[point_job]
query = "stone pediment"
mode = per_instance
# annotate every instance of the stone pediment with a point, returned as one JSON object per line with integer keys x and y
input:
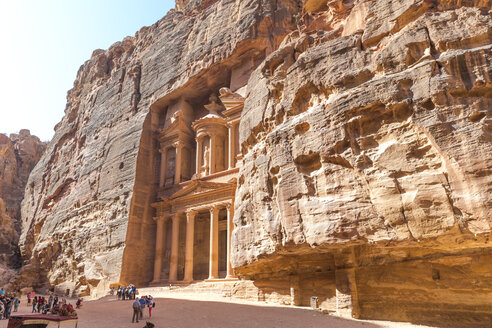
{"x": 197, "y": 188}
{"x": 177, "y": 127}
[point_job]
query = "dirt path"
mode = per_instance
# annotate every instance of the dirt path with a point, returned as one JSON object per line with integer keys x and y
{"x": 172, "y": 312}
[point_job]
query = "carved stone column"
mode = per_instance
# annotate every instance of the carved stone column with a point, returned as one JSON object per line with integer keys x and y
{"x": 179, "y": 151}
{"x": 232, "y": 145}
{"x": 199, "y": 154}
{"x": 160, "y": 241}
{"x": 213, "y": 154}
{"x": 230, "y": 227}
{"x": 214, "y": 243}
{"x": 173, "y": 268}
{"x": 190, "y": 236}
{"x": 162, "y": 177}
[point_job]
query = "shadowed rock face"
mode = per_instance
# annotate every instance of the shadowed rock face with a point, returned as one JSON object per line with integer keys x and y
{"x": 367, "y": 143}
{"x": 86, "y": 208}
{"x": 19, "y": 153}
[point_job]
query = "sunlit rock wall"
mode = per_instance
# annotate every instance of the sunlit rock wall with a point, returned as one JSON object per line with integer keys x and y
{"x": 367, "y": 144}
{"x": 87, "y": 219}
{"x": 19, "y": 154}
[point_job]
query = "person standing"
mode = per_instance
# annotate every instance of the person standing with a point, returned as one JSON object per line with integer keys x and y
{"x": 34, "y": 304}
{"x": 28, "y": 298}
{"x": 136, "y": 310}
{"x": 8, "y": 307}
{"x": 143, "y": 304}
{"x": 16, "y": 304}
{"x": 151, "y": 305}
{"x": 50, "y": 300}
{"x": 2, "y": 309}
{"x": 40, "y": 303}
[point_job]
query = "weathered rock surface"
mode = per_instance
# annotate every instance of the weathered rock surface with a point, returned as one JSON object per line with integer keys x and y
{"x": 87, "y": 203}
{"x": 19, "y": 154}
{"x": 367, "y": 144}
{"x": 367, "y": 154}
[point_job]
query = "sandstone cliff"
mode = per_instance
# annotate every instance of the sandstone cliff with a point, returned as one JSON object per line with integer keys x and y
{"x": 19, "y": 153}
{"x": 86, "y": 207}
{"x": 367, "y": 143}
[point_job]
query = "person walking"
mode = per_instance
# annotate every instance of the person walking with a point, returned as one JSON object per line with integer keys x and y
{"x": 136, "y": 310}
{"x": 28, "y": 298}
{"x": 123, "y": 293}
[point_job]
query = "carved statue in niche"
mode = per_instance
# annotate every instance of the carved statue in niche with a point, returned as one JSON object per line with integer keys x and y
{"x": 170, "y": 167}
{"x": 206, "y": 160}
{"x": 214, "y": 106}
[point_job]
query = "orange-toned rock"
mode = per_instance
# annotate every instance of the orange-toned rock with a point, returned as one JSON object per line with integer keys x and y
{"x": 87, "y": 214}
{"x": 18, "y": 155}
{"x": 367, "y": 158}
{"x": 365, "y": 165}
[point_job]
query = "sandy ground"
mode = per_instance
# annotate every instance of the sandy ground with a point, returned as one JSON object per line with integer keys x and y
{"x": 181, "y": 311}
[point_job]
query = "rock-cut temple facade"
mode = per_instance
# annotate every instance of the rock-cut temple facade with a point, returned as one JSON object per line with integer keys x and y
{"x": 197, "y": 176}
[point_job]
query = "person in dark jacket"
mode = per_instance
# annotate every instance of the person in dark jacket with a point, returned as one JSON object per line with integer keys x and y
{"x": 136, "y": 310}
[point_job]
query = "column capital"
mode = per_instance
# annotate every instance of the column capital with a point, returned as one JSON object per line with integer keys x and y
{"x": 229, "y": 206}
{"x": 191, "y": 213}
{"x": 160, "y": 218}
{"x": 176, "y": 216}
{"x": 214, "y": 208}
{"x": 178, "y": 144}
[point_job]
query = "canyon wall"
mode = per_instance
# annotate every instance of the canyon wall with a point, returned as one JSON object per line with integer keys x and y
{"x": 366, "y": 177}
{"x": 87, "y": 219}
{"x": 19, "y": 153}
{"x": 366, "y": 141}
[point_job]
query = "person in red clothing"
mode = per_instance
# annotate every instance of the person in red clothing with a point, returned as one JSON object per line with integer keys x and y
{"x": 150, "y": 304}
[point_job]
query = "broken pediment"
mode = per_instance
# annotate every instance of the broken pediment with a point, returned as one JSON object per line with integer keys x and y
{"x": 177, "y": 128}
{"x": 198, "y": 187}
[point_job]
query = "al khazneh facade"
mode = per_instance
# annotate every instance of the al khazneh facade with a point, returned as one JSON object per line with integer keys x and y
{"x": 197, "y": 181}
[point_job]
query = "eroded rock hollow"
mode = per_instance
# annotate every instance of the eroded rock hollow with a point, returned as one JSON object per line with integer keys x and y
{"x": 332, "y": 149}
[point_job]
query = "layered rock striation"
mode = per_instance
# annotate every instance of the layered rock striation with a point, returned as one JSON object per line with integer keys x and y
{"x": 87, "y": 215}
{"x": 366, "y": 154}
{"x": 366, "y": 178}
{"x": 19, "y": 153}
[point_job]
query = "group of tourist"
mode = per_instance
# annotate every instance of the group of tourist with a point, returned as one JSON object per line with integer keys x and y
{"x": 139, "y": 306}
{"x": 51, "y": 305}
{"x": 8, "y": 304}
{"x": 130, "y": 293}
{"x": 126, "y": 292}
{"x": 42, "y": 305}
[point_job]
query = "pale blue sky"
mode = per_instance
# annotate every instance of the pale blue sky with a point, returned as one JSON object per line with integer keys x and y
{"x": 43, "y": 44}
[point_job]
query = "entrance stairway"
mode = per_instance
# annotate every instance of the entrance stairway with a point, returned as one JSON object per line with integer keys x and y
{"x": 222, "y": 288}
